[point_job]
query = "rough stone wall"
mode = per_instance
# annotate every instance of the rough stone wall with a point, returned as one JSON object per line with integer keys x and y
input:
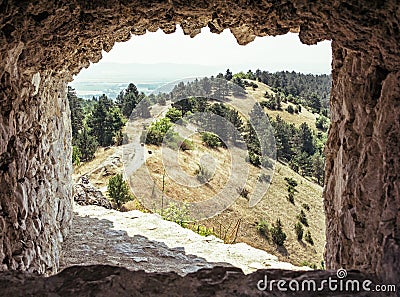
{"x": 363, "y": 167}
{"x": 57, "y": 39}
{"x": 35, "y": 171}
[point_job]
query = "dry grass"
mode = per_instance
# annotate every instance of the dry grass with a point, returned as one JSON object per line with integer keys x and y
{"x": 272, "y": 206}
{"x": 91, "y": 168}
{"x": 189, "y": 163}
{"x": 305, "y": 116}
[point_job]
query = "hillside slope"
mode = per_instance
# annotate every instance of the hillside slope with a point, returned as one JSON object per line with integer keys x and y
{"x": 238, "y": 221}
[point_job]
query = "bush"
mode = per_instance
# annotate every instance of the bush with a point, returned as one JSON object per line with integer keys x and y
{"x": 157, "y": 131}
{"x": 254, "y": 159}
{"x": 118, "y": 190}
{"x": 203, "y": 174}
{"x": 266, "y": 162}
{"x": 291, "y": 197}
{"x": 290, "y": 109}
{"x": 291, "y": 182}
{"x": 298, "y": 228}
{"x": 263, "y": 228}
{"x": 186, "y": 145}
{"x": 211, "y": 140}
{"x": 264, "y": 178}
{"x": 277, "y": 234}
{"x": 76, "y": 156}
{"x": 302, "y": 218}
{"x": 202, "y": 230}
{"x": 174, "y": 114}
{"x": 299, "y": 108}
{"x": 306, "y": 206}
{"x": 179, "y": 214}
{"x": 308, "y": 238}
{"x": 244, "y": 192}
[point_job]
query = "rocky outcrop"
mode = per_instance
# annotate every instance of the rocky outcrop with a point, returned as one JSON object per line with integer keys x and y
{"x": 363, "y": 166}
{"x": 43, "y": 43}
{"x": 87, "y": 194}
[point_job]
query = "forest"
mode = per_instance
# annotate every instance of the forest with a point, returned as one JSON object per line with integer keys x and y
{"x": 100, "y": 121}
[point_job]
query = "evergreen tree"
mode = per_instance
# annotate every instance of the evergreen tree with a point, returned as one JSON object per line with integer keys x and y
{"x": 314, "y": 102}
{"x": 86, "y": 144}
{"x": 228, "y": 74}
{"x": 77, "y": 114}
{"x": 277, "y": 234}
{"x": 318, "y": 164}
{"x": 128, "y": 99}
{"x": 306, "y": 139}
{"x": 118, "y": 190}
{"x": 143, "y": 109}
{"x": 105, "y": 121}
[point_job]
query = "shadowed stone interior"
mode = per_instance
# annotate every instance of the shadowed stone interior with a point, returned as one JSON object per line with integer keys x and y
{"x": 43, "y": 43}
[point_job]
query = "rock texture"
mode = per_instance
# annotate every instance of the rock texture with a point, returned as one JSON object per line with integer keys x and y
{"x": 98, "y": 280}
{"x": 362, "y": 193}
{"x": 35, "y": 169}
{"x": 43, "y": 43}
{"x": 143, "y": 241}
{"x": 87, "y": 194}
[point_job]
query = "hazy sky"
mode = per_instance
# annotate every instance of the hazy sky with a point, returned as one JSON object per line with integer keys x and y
{"x": 267, "y": 53}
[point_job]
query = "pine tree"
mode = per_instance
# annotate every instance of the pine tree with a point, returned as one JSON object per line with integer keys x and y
{"x": 105, "y": 121}
{"x": 77, "y": 114}
{"x": 318, "y": 164}
{"x": 277, "y": 234}
{"x": 86, "y": 144}
{"x": 118, "y": 190}
{"x": 228, "y": 74}
{"x": 306, "y": 139}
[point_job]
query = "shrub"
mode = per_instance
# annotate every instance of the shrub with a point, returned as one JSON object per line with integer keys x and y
{"x": 186, "y": 145}
{"x": 290, "y": 109}
{"x": 174, "y": 114}
{"x": 306, "y": 206}
{"x": 277, "y": 234}
{"x": 244, "y": 192}
{"x": 203, "y": 174}
{"x": 118, "y": 190}
{"x": 298, "y": 228}
{"x": 157, "y": 131}
{"x": 211, "y": 140}
{"x": 178, "y": 213}
{"x": 291, "y": 182}
{"x": 76, "y": 156}
{"x": 202, "y": 230}
{"x": 266, "y": 162}
{"x": 308, "y": 238}
{"x": 291, "y": 197}
{"x": 264, "y": 178}
{"x": 254, "y": 159}
{"x": 302, "y": 218}
{"x": 263, "y": 228}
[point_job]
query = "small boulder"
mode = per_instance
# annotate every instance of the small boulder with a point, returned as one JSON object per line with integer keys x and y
{"x": 86, "y": 194}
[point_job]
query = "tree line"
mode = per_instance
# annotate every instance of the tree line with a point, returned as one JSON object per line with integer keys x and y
{"x": 100, "y": 121}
